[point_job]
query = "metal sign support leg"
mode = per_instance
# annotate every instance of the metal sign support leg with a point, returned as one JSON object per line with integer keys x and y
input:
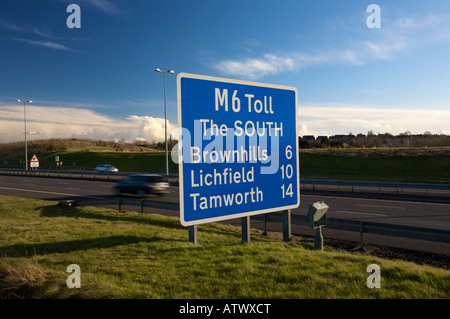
{"x": 286, "y": 217}
{"x": 264, "y": 233}
{"x": 193, "y": 238}
{"x": 245, "y": 229}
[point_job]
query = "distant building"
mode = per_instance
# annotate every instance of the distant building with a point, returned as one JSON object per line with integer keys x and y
{"x": 337, "y": 138}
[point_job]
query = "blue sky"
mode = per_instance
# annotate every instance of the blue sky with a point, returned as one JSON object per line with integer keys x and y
{"x": 98, "y": 81}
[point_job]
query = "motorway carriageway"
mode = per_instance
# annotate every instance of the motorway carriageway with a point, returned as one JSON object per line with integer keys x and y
{"x": 419, "y": 214}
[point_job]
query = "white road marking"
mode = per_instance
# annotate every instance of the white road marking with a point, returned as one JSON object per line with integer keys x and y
{"x": 359, "y": 213}
{"x": 381, "y": 206}
{"x": 53, "y": 193}
{"x": 379, "y": 200}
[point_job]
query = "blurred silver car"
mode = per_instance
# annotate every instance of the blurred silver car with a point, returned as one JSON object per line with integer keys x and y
{"x": 106, "y": 168}
{"x": 142, "y": 185}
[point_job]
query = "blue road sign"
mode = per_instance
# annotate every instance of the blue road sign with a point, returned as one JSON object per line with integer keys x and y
{"x": 238, "y": 155}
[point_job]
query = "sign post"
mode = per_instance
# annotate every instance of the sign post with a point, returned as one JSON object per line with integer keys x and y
{"x": 238, "y": 151}
{"x": 34, "y": 162}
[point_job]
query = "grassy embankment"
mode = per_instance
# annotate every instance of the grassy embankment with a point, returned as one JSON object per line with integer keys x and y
{"x": 131, "y": 255}
{"x": 397, "y": 164}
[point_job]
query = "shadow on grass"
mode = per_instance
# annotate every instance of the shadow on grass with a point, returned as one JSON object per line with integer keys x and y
{"x": 71, "y": 212}
{"x": 112, "y": 216}
{"x": 22, "y": 250}
{"x": 59, "y": 211}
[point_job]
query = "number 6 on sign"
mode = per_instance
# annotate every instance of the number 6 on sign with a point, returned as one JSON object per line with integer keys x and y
{"x": 289, "y": 152}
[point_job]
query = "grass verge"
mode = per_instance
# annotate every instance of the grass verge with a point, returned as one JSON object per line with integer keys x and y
{"x": 390, "y": 164}
{"x": 132, "y": 255}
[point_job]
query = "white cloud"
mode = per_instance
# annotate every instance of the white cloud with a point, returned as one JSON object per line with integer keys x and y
{"x": 342, "y": 119}
{"x": 33, "y": 31}
{"x": 47, "y": 44}
{"x": 256, "y": 68}
{"x": 400, "y": 35}
{"x": 45, "y": 122}
{"x": 104, "y": 5}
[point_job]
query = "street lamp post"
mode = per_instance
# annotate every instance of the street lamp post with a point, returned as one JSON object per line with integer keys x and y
{"x": 165, "y": 116}
{"x": 25, "y": 125}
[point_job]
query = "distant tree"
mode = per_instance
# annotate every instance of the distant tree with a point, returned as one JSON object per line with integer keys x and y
{"x": 302, "y": 143}
{"x": 325, "y": 141}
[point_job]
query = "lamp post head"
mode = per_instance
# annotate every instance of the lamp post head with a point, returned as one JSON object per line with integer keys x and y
{"x": 168, "y": 71}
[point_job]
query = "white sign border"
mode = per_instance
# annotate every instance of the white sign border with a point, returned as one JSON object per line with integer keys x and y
{"x": 180, "y": 147}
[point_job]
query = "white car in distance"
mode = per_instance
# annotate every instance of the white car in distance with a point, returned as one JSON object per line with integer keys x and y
{"x": 106, "y": 168}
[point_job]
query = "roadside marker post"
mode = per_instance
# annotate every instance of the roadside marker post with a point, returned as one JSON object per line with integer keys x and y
{"x": 317, "y": 218}
{"x": 237, "y": 150}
